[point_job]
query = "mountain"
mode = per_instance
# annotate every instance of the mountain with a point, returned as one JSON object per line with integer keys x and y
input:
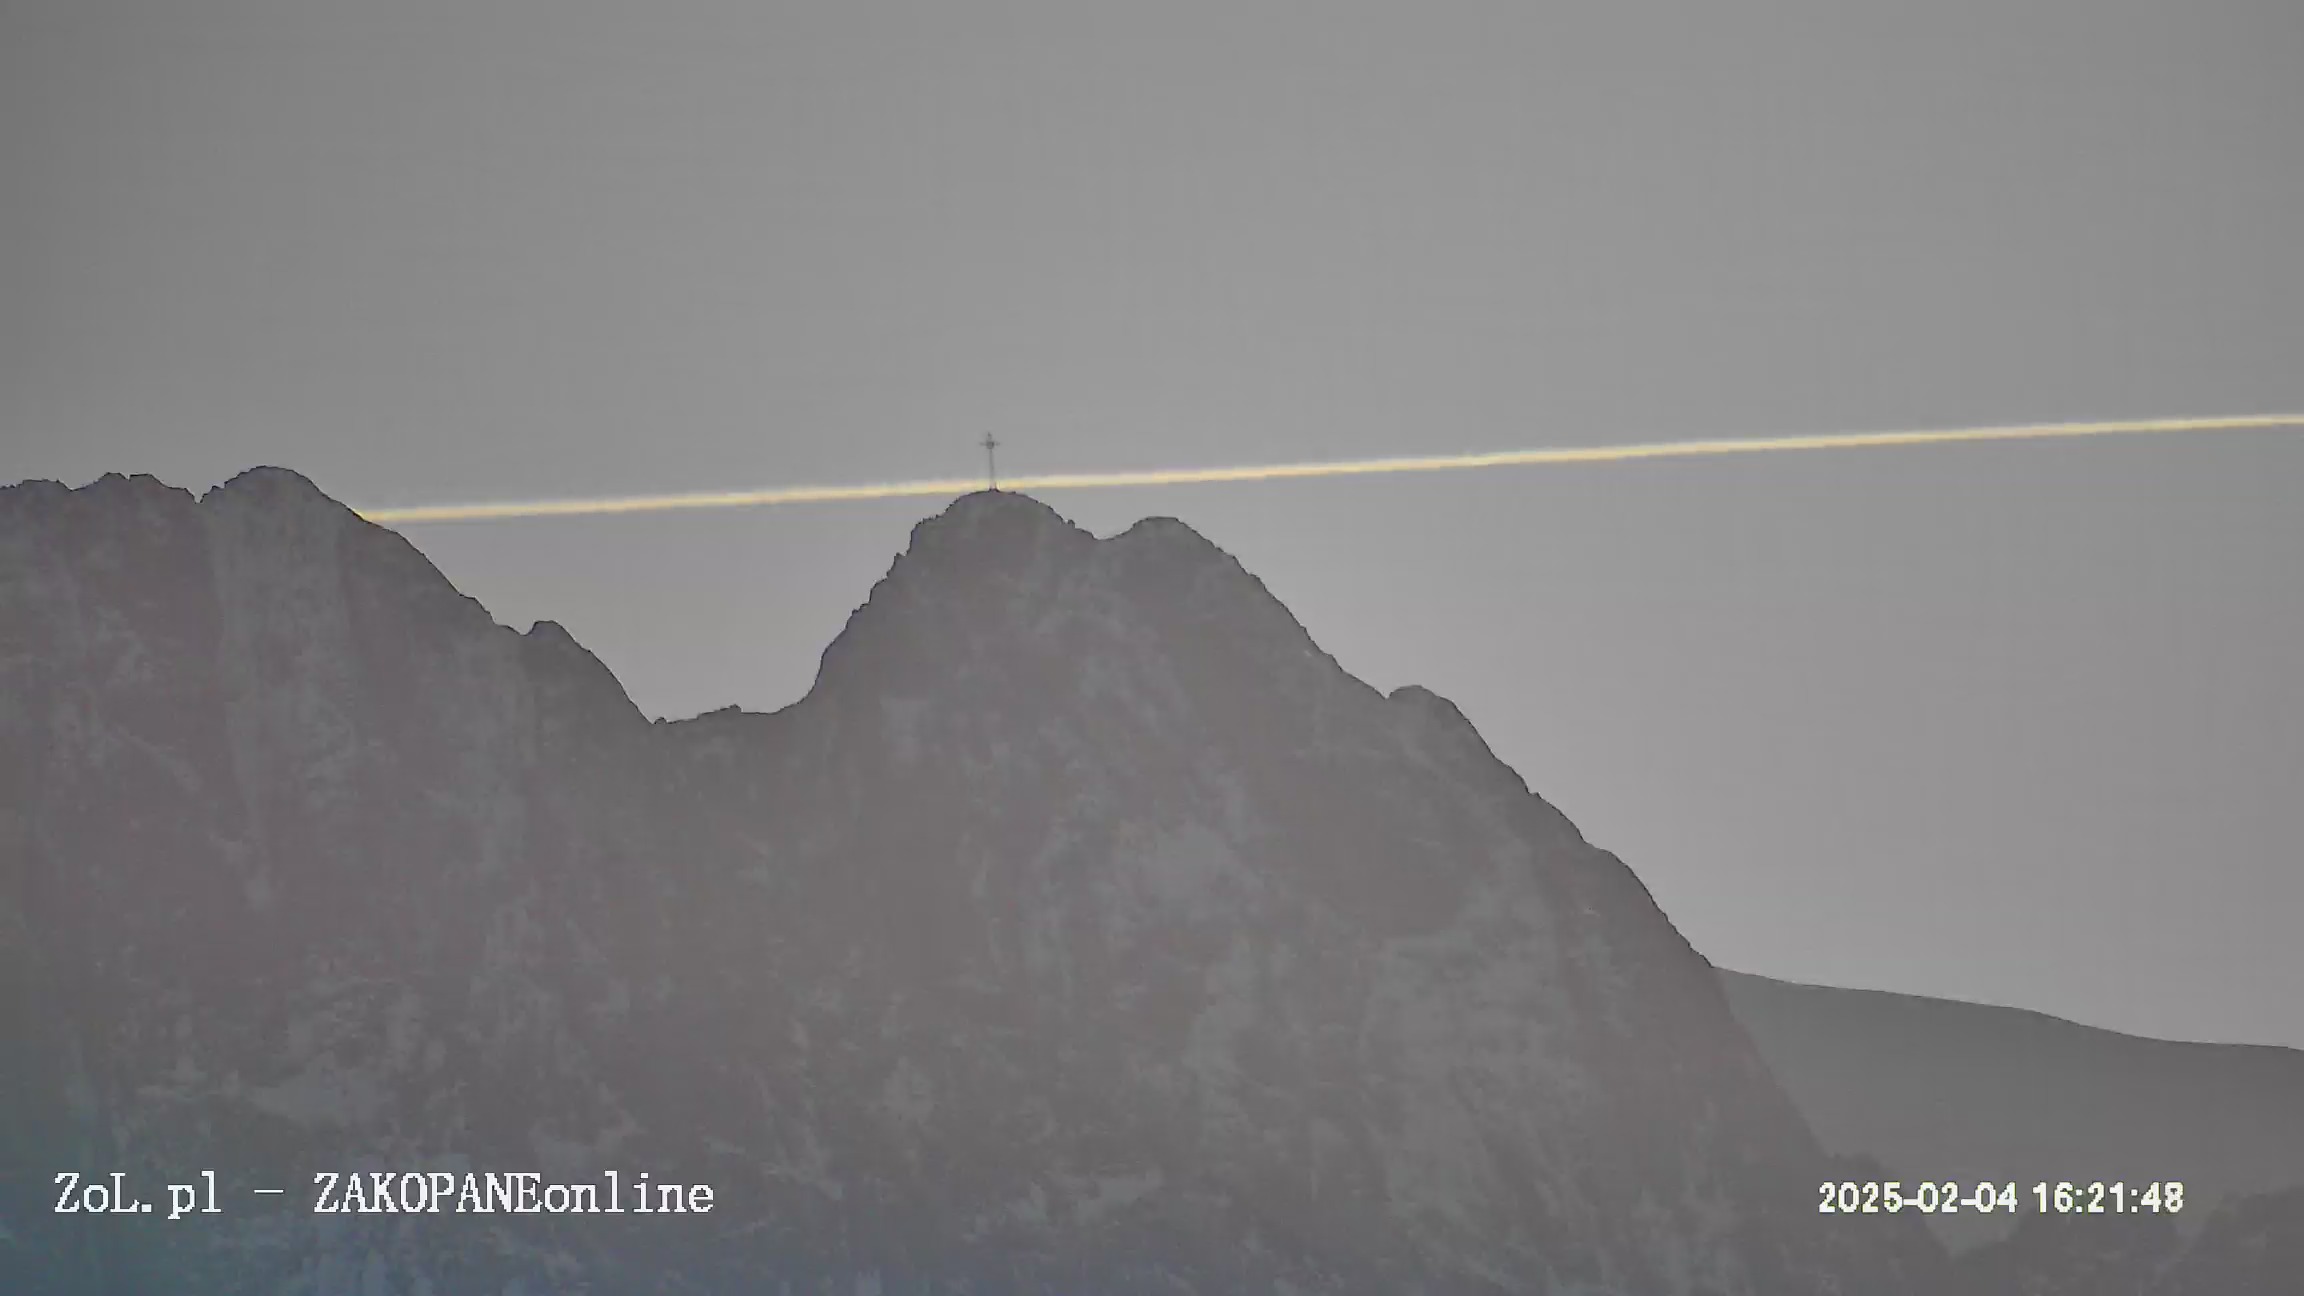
{"x": 2249, "y": 1244}
{"x": 1085, "y": 929}
{"x": 1940, "y": 1090}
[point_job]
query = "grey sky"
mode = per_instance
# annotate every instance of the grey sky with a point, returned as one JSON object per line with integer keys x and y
{"x": 2014, "y": 723}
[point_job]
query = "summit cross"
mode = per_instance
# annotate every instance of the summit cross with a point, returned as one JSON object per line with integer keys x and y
{"x": 991, "y": 465}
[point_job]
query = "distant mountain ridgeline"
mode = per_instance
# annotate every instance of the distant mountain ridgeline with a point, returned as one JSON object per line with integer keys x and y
{"x": 1942, "y": 1090}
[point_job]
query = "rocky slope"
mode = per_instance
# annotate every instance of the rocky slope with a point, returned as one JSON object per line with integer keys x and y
{"x": 2249, "y": 1245}
{"x": 1085, "y": 929}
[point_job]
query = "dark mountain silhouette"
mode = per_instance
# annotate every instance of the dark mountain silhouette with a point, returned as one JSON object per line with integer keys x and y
{"x": 1944, "y": 1090}
{"x": 1085, "y": 929}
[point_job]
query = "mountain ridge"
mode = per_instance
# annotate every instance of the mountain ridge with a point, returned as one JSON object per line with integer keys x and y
{"x": 1084, "y": 927}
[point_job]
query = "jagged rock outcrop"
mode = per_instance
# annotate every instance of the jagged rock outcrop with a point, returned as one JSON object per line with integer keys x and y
{"x": 1085, "y": 928}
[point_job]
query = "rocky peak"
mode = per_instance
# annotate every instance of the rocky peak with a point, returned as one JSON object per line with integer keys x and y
{"x": 1001, "y": 591}
{"x": 1087, "y": 928}
{"x": 276, "y": 487}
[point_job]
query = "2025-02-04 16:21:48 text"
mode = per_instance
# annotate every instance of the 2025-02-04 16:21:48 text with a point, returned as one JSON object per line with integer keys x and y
{"x": 1952, "y": 1197}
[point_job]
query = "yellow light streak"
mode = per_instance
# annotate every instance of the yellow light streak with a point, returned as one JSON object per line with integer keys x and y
{"x": 480, "y": 512}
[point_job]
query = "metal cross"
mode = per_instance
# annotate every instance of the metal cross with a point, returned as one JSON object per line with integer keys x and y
{"x": 991, "y": 466}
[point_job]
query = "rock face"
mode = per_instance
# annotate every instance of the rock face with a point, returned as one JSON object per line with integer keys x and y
{"x": 1085, "y": 929}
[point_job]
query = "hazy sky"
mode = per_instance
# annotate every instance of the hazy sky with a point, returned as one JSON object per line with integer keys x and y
{"x": 2022, "y": 724}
